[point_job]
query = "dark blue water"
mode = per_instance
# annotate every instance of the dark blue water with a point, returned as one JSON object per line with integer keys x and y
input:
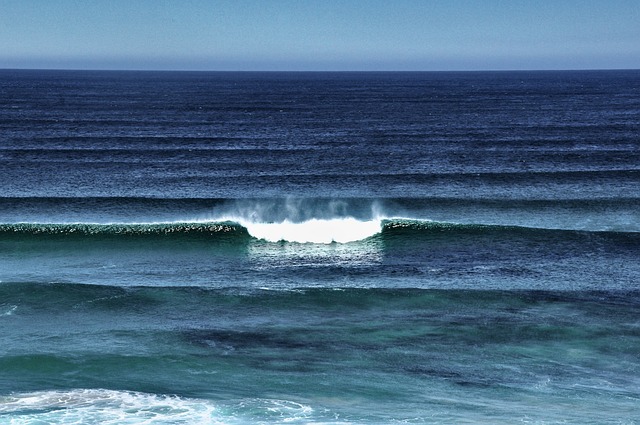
{"x": 319, "y": 247}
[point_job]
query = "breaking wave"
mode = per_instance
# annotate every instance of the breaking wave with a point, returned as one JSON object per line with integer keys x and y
{"x": 317, "y": 231}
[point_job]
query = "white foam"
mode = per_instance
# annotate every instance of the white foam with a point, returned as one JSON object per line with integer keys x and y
{"x": 341, "y": 230}
{"x": 11, "y": 309}
{"x": 97, "y": 406}
{"x": 100, "y": 406}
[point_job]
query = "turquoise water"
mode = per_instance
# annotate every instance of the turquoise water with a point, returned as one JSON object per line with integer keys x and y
{"x": 319, "y": 355}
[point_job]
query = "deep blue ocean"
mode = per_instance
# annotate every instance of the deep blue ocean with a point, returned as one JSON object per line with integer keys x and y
{"x": 319, "y": 248}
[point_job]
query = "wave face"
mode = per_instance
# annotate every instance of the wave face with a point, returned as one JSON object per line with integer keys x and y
{"x": 122, "y": 229}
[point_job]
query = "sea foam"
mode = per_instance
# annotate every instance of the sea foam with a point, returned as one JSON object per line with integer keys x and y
{"x": 101, "y": 406}
{"x": 341, "y": 230}
{"x": 98, "y": 406}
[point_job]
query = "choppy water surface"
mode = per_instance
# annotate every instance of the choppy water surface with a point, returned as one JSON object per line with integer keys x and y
{"x": 234, "y": 248}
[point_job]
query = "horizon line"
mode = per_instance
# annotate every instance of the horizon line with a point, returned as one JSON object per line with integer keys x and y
{"x": 296, "y": 71}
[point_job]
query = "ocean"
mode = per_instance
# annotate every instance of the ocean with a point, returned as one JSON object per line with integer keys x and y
{"x": 319, "y": 248}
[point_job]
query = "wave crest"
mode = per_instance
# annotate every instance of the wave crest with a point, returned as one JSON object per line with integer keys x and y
{"x": 341, "y": 230}
{"x": 313, "y": 231}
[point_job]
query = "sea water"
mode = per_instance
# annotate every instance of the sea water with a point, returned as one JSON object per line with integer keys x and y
{"x": 345, "y": 248}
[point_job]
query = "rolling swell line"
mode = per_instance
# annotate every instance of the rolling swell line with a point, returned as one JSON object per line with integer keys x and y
{"x": 121, "y": 229}
{"x": 243, "y": 230}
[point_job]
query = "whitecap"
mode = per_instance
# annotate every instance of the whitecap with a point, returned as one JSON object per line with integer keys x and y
{"x": 99, "y": 406}
{"x": 341, "y": 230}
{"x": 111, "y": 407}
{"x": 9, "y": 310}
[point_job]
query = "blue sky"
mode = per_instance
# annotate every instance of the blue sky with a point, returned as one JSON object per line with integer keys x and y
{"x": 320, "y": 35}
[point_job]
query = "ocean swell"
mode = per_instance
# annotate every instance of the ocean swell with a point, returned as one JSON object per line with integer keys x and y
{"x": 313, "y": 231}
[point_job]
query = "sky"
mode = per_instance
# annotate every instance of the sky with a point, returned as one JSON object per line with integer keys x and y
{"x": 320, "y": 35}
